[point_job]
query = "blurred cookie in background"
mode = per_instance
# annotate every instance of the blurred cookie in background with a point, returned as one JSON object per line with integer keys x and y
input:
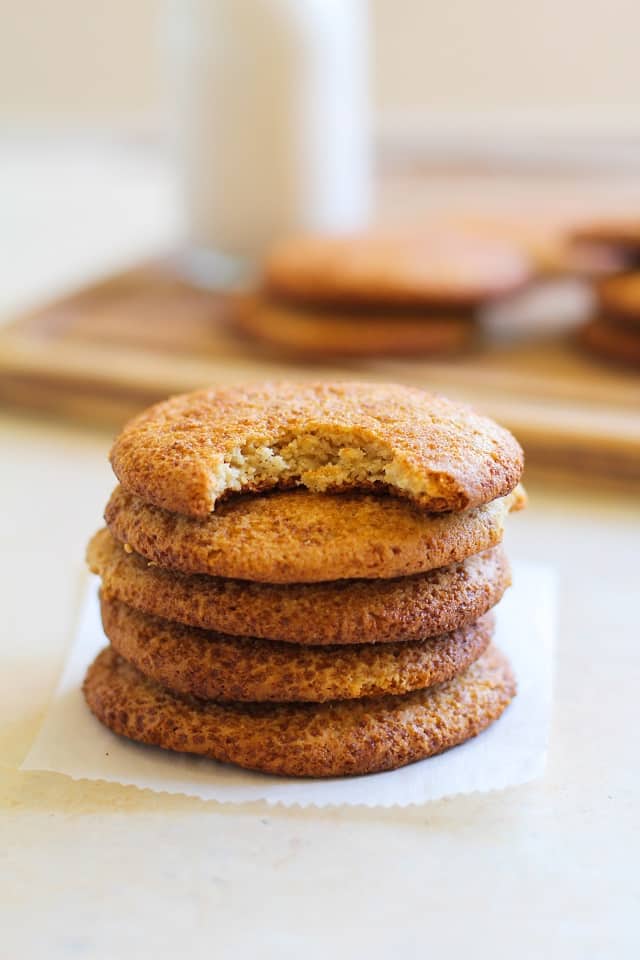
{"x": 614, "y": 238}
{"x": 612, "y": 341}
{"x": 547, "y": 242}
{"x": 401, "y": 292}
{"x": 619, "y": 298}
{"x": 322, "y": 332}
{"x": 614, "y": 330}
{"x": 412, "y": 266}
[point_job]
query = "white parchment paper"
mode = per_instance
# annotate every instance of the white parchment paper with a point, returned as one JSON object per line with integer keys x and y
{"x": 512, "y": 751}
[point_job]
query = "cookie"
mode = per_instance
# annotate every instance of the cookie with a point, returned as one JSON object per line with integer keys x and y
{"x": 317, "y": 333}
{"x": 188, "y": 452}
{"x": 612, "y": 341}
{"x": 342, "y": 612}
{"x": 623, "y": 234}
{"x": 302, "y": 537}
{"x": 401, "y": 267}
{"x": 337, "y": 738}
{"x": 619, "y": 299}
{"x": 214, "y": 666}
{"x": 545, "y": 240}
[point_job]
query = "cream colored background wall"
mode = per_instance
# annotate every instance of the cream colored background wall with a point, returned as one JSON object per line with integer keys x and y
{"x": 568, "y": 63}
{"x": 508, "y": 55}
{"x": 80, "y": 62}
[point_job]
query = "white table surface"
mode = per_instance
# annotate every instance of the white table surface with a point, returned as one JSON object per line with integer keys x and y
{"x": 90, "y": 870}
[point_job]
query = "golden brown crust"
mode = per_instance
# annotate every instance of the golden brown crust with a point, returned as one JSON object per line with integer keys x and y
{"x": 395, "y": 267}
{"x": 321, "y": 333}
{"x": 186, "y": 453}
{"x": 343, "y": 612}
{"x": 612, "y": 341}
{"x": 303, "y": 537}
{"x": 338, "y": 738}
{"x": 213, "y": 666}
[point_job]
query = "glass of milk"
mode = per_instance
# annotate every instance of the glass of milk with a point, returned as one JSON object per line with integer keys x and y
{"x": 271, "y": 105}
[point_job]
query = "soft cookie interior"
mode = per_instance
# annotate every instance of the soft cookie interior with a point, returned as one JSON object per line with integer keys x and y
{"x": 322, "y": 462}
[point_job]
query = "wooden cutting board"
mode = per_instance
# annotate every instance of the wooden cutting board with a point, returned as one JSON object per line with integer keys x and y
{"x": 107, "y": 351}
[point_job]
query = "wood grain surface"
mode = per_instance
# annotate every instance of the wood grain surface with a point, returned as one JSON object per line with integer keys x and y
{"x": 106, "y": 351}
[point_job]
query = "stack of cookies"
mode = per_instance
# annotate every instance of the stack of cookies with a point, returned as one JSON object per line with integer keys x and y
{"x": 614, "y": 330}
{"x": 379, "y": 294}
{"x": 299, "y": 578}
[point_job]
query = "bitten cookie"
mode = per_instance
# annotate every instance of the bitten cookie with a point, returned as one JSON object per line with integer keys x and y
{"x": 188, "y": 452}
{"x": 338, "y": 738}
{"x": 343, "y": 612}
{"x": 213, "y": 666}
{"x": 303, "y": 537}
